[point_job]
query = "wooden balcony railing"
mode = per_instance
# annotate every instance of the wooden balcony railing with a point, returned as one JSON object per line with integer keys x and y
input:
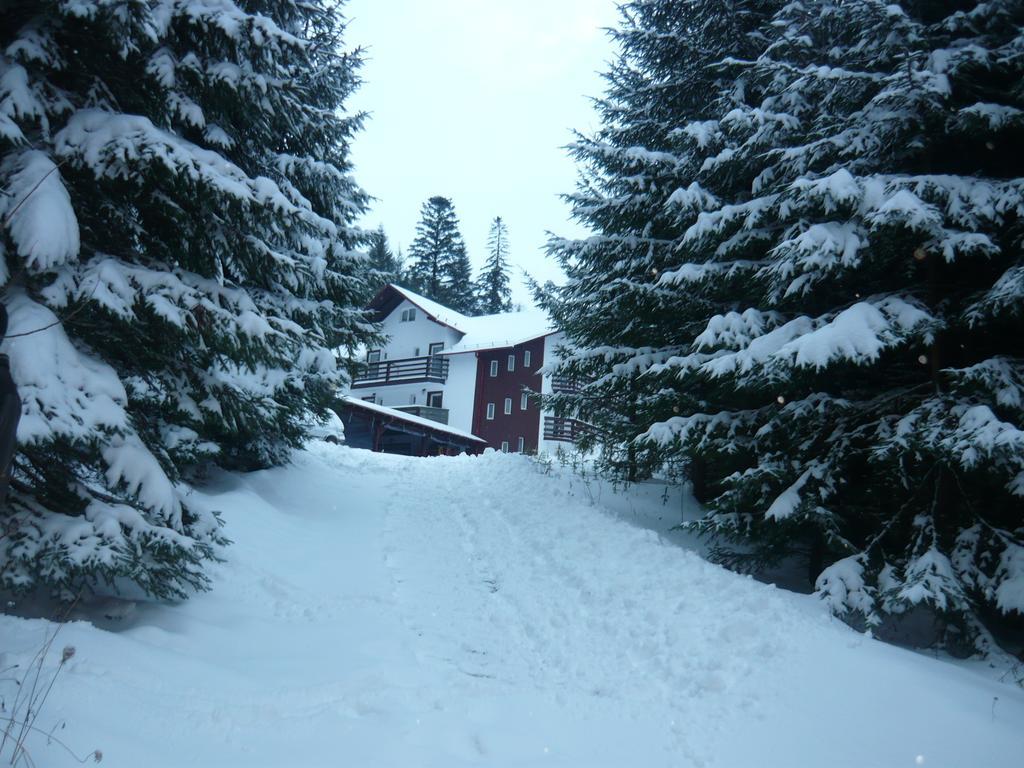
{"x": 440, "y": 415}
{"x": 565, "y": 430}
{"x": 564, "y": 385}
{"x": 409, "y": 370}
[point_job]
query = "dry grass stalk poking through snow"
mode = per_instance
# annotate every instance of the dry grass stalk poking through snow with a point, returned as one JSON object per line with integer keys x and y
{"x": 31, "y": 690}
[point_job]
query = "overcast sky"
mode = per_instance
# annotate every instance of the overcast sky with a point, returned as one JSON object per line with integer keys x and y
{"x": 474, "y": 100}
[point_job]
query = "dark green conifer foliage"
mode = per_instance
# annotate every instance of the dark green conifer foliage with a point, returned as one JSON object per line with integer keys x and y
{"x": 439, "y": 267}
{"x": 493, "y": 292}
{"x": 822, "y": 248}
{"x": 385, "y": 266}
{"x": 177, "y": 216}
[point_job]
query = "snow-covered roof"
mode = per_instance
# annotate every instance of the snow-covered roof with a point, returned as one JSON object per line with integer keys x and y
{"x": 408, "y": 417}
{"x": 479, "y": 333}
{"x": 438, "y": 312}
{"x": 503, "y": 330}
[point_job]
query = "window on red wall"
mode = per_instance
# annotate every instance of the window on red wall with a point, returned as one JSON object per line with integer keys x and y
{"x": 522, "y": 444}
{"x": 524, "y": 401}
{"x": 511, "y": 362}
{"x": 490, "y": 411}
{"x": 526, "y": 359}
{"x": 494, "y": 369}
{"x": 504, "y": 446}
{"x": 508, "y": 406}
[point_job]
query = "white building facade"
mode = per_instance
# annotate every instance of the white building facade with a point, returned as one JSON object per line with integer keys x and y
{"x": 471, "y": 373}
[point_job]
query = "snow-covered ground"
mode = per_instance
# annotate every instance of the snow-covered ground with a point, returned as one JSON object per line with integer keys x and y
{"x": 385, "y": 611}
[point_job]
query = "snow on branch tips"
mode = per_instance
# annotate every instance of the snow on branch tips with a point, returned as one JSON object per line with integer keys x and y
{"x": 65, "y": 393}
{"x": 857, "y": 335}
{"x": 37, "y": 209}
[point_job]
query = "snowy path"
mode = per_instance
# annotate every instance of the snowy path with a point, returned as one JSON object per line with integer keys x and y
{"x": 382, "y": 611}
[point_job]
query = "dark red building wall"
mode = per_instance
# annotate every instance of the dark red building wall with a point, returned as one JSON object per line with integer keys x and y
{"x": 519, "y": 423}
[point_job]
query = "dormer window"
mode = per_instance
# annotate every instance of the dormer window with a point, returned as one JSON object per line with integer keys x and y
{"x": 408, "y": 315}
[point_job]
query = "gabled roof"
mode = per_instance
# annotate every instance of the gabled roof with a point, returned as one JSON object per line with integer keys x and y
{"x": 391, "y": 295}
{"x": 506, "y": 329}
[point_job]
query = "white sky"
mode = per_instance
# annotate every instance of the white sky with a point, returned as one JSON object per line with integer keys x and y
{"x": 475, "y": 100}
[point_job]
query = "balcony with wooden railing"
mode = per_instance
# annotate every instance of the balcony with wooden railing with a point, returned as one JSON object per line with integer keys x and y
{"x": 564, "y": 385}
{"x": 564, "y": 430}
{"x": 440, "y": 415}
{"x": 410, "y": 370}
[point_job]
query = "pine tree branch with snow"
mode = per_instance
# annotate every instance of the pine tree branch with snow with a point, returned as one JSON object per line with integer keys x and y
{"x": 179, "y": 219}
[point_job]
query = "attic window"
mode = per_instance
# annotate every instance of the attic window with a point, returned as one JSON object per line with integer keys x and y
{"x": 408, "y": 315}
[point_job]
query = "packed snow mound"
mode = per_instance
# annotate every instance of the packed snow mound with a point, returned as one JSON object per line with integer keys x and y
{"x": 488, "y": 611}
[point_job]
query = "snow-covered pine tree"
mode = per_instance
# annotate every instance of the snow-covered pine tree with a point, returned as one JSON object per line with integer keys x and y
{"x": 177, "y": 242}
{"x": 457, "y": 285}
{"x": 439, "y": 266}
{"x": 493, "y": 292}
{"x": 384, "y": 265}
{"x": 849, "y": 227}
{"x": 636, "y": 176}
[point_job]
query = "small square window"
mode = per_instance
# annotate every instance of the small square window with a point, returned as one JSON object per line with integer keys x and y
{"x": 522, "y": 445}
{"x": 524, "y": 402}
{"x": 494, "y": 369}
{"x": 526, "y": 359}
{"x": 490, "y": 411}
{"x": 504, "y": 446}
{"x": 511, "y": 362}
{"x": 508, "y": 405}
{"x": 408, "y": 315}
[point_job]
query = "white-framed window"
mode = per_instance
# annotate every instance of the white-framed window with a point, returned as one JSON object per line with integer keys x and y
{"x": 524, "y": 401}
{"x": 494, "y": 369}
{"x": 490, "y": 411}
{"x": 522, "y": 445}
{"x": 408, "y": 315}
{"x": 526, "y": 359}
{"x": 511, "y": 362}
{"x": 508, "y": 406}
{"x": 504, "y": 446}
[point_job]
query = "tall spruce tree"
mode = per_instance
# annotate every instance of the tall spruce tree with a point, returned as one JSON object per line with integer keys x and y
{"x": 493, "y": 292}
{"x": 439, "y": 266}
{"x": 635, "y": 174}
{"x": 385, "y": 266}
{"x": 177, "y": 246}
{"x": 847, "y": 380}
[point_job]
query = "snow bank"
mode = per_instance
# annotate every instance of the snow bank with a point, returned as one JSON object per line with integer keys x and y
{"x": 473, "y": 611}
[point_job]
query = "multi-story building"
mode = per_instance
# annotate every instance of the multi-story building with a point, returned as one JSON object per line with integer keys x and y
{"x": 472, "y": 374}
